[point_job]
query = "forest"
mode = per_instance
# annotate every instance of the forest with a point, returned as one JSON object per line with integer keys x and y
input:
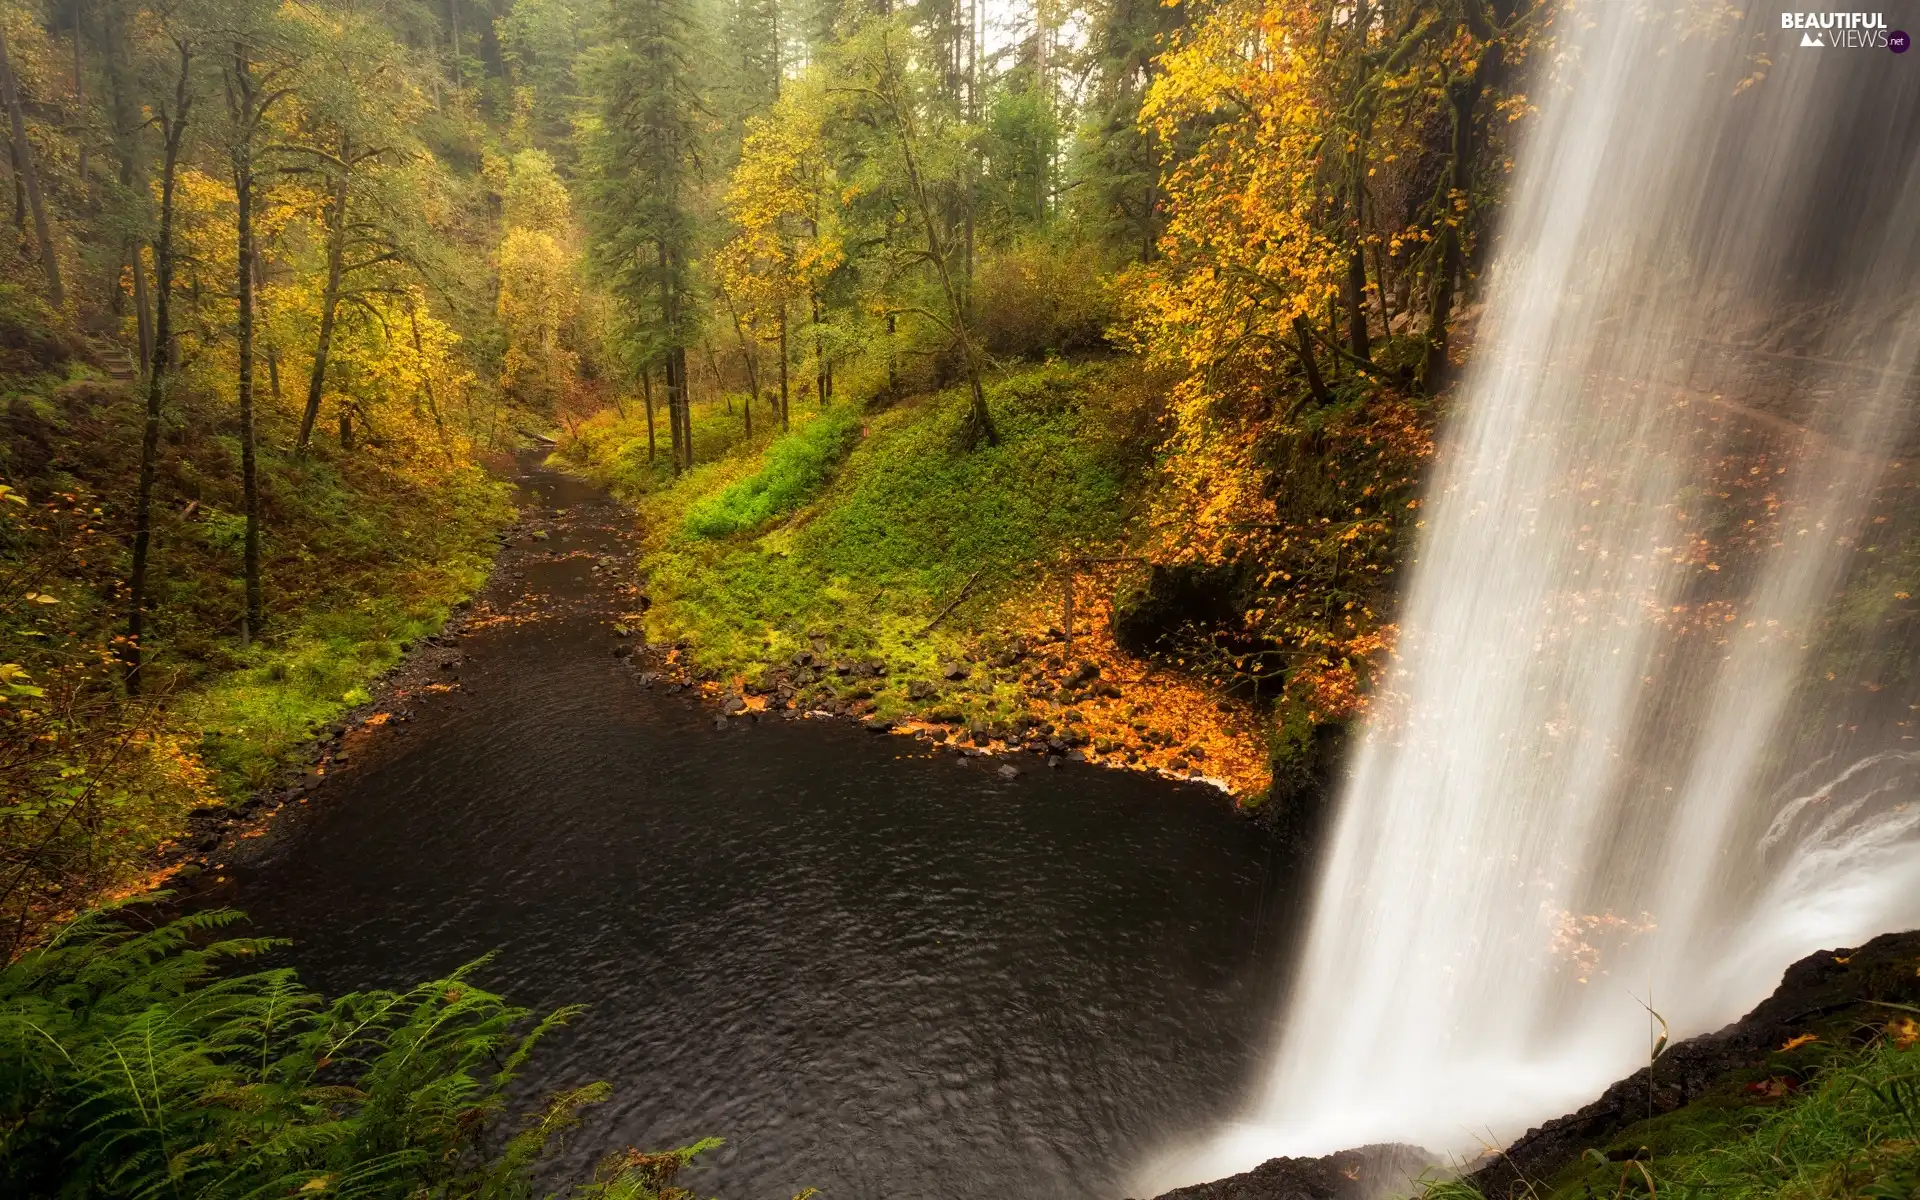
{"x": 1051, "y": 374}
{"x": 925, "y": 312}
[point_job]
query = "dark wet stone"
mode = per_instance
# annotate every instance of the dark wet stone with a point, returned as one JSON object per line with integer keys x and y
{"x": 1362, "y": 1174}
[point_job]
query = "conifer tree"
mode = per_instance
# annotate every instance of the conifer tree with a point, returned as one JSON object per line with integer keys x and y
{"x": 642, "y": 155}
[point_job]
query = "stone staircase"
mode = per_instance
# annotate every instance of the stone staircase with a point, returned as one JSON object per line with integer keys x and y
{"x": 114, "y": 359}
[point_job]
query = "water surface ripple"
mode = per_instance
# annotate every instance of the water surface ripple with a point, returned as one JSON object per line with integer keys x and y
{"x": 870, "y": 968}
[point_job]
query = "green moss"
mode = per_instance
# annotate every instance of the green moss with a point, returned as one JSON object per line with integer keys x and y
{"x": 1824, "y": 1121}
{"x": 911, "y": 522}
{"x": 795, "y": 468}
{"x": 255, "y": 718}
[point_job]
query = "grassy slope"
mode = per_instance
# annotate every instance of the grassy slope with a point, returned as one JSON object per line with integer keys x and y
{"x": 1825, "y": 1120}
{"x": 362, "y": 551}
{"x": 911, "y": 523}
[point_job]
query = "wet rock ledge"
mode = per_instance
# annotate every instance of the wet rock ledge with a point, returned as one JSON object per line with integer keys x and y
{"x": 1836, "y": 996}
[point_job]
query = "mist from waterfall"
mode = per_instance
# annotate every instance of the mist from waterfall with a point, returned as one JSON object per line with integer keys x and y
{"x": 1648, "y": 737}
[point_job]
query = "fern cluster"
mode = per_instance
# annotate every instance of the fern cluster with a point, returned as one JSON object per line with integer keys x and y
{"x": 136, "y": 1061}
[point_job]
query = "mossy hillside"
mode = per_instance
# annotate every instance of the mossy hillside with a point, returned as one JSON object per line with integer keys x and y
{"x": 1815, "y": 1094}
{"x": 1821, "y": 1120}
{"x": 363, "y": 549}
{"x": 913, "y": 522}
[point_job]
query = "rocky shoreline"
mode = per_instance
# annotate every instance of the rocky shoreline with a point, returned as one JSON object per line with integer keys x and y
{"x": 779, "y": 694}
{"x": 1839, "y": 996}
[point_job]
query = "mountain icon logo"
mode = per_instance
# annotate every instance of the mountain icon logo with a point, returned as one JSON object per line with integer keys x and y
{"x": 1813, "y": 39}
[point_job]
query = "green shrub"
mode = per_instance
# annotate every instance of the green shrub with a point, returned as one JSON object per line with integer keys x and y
{"x": 135, "y": 1063}
{"x": 1035, "y": 297}
{"x": 796, "y": 467}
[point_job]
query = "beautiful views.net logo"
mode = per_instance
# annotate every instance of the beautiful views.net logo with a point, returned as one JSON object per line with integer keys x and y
{"x": 1845, "y": 30}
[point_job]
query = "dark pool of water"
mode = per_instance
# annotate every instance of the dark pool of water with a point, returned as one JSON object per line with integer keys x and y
{"x": 871, "y": 968}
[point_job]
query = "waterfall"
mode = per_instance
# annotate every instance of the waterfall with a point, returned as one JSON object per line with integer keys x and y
{"x": 1647, "y": 738}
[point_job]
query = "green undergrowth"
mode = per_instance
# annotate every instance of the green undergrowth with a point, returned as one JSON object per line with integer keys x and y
{"x": 257, "y": 716}
{"x": 363, "y": 548}
{"x": 793, "y": 470}
{"x": 912, "y": 523}
{"x": 1823, "y": 1120}
{"x": 143, "y": 1061}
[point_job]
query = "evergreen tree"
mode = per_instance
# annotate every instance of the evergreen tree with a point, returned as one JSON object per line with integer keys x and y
{"x": 642, "y": 160}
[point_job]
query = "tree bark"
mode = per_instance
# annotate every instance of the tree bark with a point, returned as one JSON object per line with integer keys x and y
{"x": 244, "y": 377}
{"x": 1303, "y": 334}
{"x": 1463, "y": 96}
{"x": 23, "y": 163}
{"x": 249, "y": 473}
{"x": 746, "y": 358}
{"x": 678, "y": 398}
{"x": 80, "y": 102}
{"x": 1357, "y": 305}
{"x": 174, "y": 129}
{"x": 783, "y": 366}
{"x": 329, "y": 305}
{"x": 822, "y": 376}
{"x": 646, "y": 391}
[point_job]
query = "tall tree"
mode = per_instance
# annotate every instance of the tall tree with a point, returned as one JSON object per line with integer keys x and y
{"x": 256, "y": 61}
{"x": 643, "y": 153}
{"x": 29, "y": 178}
{"x": 357, "y": 104}
{"x": 172, "y": 114}
{"x": 878, "y": 77}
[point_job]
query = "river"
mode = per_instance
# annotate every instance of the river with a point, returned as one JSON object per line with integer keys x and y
{"x": 870, "y": 967}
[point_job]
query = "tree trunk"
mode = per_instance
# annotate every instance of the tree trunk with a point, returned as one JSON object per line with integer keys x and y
{"x": 142, "y": 305}
{"x": 746, "y": 357}
{"x": 1463, "y": 95}
{"x": 23, "y": 163}
{"x": 783, "y": 366}
{"x": 679, "y": 398}
{"x": 646, "y": 391}
{"x": 1357, "y": 305}
{"x": 329, "y": 307}
{"x": 175, "y": 132}
{"x": 426, "y": 383}
{"x": 1303, "y": 333}
{"x": 80, "y": 103}
{"x": 19, "y": 196}
{"x": 822, "y": 378}
{"x": 249, "y": 476}
{"x": 673, "y": 412}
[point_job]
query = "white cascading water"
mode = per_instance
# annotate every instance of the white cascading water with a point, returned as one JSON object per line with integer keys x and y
{"x": 1607, "y": 767}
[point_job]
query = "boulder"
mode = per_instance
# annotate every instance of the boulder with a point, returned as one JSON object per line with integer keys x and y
{"x": 1363, "y": 1174}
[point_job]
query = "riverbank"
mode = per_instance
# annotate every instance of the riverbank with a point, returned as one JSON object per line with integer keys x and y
{"x": 366, "y": 547}
{"x": 868, "y": 566}
{"x": 870, "y": 967}
{"x": 424, "y": 670}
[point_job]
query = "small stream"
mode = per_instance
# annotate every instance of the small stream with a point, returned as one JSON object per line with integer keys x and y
{"x": 872, "y": 968}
